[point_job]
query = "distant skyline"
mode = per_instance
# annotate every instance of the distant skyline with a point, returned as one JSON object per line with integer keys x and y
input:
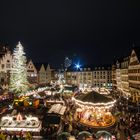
{"x": 95, "y": 32}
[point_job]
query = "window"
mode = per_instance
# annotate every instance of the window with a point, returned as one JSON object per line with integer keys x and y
{"x": 2, "y": 66}
{"x": 89, "y": 69}
{"x": 7, "y": 65}
{"x": 2, "y": 80}
{"x": 89, "y": 73}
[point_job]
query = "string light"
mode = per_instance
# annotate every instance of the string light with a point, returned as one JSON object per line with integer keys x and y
{"x": 18, "y": 73}
{"x": 96, "y": 105}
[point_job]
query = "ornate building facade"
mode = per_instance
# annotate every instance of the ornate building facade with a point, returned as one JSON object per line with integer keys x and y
{"x": 32, "y": 72}
{"x": 102, "y": 76}
{"x": 91, "y": 76}
{"x": 40, "y": 74}
{"x": 5, "y": 66}
{"x": 124, "y": 76}
{"x": 118, "y": 76}
{"x": 114, "y": 83}
{"x": 128, "y": 75}
{"x": 134, "y": 74}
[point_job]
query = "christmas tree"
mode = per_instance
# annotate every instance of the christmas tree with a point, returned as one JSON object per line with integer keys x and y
{"x": 18, "y": 74}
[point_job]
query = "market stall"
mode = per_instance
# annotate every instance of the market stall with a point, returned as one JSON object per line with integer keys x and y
{"x": 17, "y": 123}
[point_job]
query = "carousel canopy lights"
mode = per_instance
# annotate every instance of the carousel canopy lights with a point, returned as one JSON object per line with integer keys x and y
{"x": 88, "y": 104}
{"x": 94, "y": 99}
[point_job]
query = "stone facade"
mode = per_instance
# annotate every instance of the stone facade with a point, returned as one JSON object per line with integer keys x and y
{"x": 48, "y": 74}
{"x": 114, "y": 83}
{"x": 124, "y": 76}
{"x": 32, "y": 72}
{"x": 5, "y": 66}
{"x": 102, "y": 77}
{"x": 134, "y": 74}
{"x": 128, "y": 75}
{"x": 91, "y": 76}
{"x": 42, "y": 75}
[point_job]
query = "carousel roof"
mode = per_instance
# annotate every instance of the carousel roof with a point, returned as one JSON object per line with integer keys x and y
{"x": 94, "y": 97}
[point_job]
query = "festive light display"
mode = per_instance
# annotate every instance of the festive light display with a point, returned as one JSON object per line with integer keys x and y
{"x": 17, "y": 123}
{"x": 89, "y": 104}
{"x": 67, "y": 62}
{"x": 18, "y": 77}
{"x": 94, "y": 114}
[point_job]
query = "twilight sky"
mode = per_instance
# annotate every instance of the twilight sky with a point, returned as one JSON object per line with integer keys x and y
{"x": 95, "y": 31}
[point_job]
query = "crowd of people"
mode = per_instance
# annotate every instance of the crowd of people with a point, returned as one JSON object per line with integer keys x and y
{"x": 4, "y": 135}
{"x": 128, "y": 118}
{"x": 127, "y": 122}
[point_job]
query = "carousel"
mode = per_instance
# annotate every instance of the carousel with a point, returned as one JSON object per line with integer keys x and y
{"x": 94, "y": 109}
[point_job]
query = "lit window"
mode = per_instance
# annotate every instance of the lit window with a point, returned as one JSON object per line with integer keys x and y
{"x": 7, "y": 65}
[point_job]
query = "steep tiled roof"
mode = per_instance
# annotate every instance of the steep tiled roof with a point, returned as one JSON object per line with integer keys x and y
{"x": 94, "y": 97}
{"x": 137, "y": 51}
{"x": 3, "y": 49}
{"x": 38, "y": 65}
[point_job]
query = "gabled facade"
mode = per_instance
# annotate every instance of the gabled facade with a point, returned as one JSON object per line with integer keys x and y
{"x": 124, "y": 76}
{"x": 42, "y": 75}
{"x": 48, "y": 74}
{"x": 118, "y": 76}
{"x": 32, "y": 72}
{"x": 5, "y": 66}
{"x": 134, "y": 74}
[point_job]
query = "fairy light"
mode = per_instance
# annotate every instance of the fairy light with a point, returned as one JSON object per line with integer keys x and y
{"x": 18, "y": 73}
{"x": 90, "y": 105}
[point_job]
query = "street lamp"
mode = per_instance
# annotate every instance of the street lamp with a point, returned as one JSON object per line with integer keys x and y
{"x": 77, "y": 66}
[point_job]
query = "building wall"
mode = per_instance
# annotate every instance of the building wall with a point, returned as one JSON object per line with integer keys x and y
{"x": 102, "y": 78}
{"x": 48, "y": 74}
{"x": 124, "y": 76}
{"x": 71, "y": 78}
{"x": 32, "y": 72}
{"x": 114, "y": 83}
{"x": 128, "y": 76}
{"x": 134, "y": 76}
{"x": 42, "y": 75}
{"x": 5, "y": 66}
{"x": 87, "y": 77}
{"x": 118, "y": 76}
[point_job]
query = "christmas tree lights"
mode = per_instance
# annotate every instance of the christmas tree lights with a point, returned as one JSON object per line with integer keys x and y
{"x": 18, "y": 73}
